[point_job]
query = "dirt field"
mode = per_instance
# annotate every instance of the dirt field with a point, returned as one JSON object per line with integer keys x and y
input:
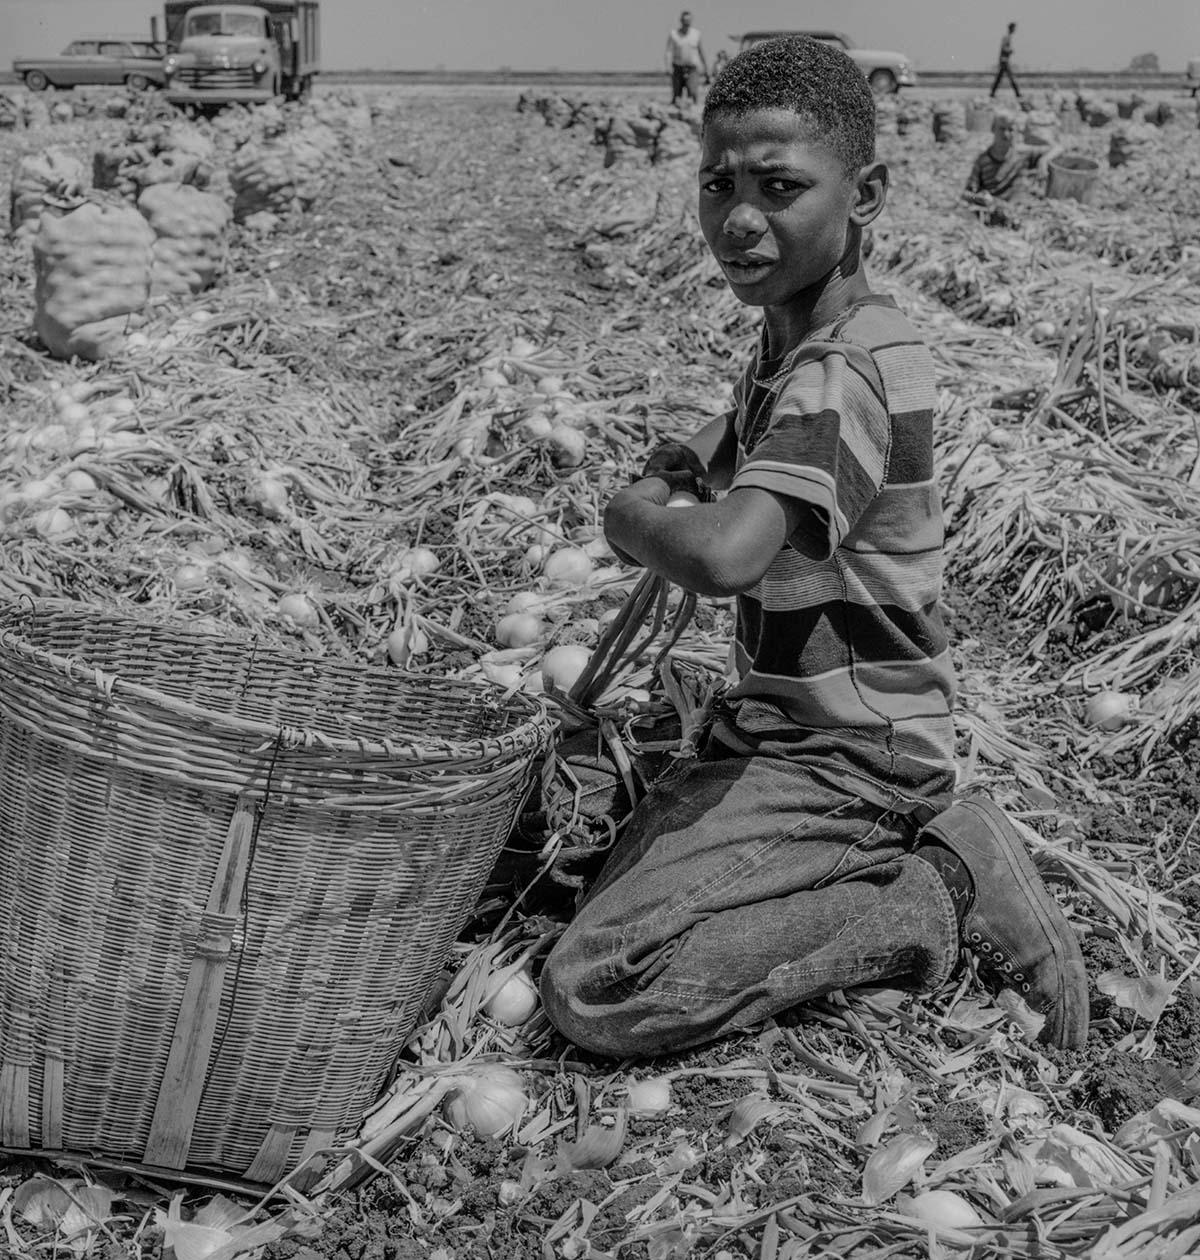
{"x": 384, "y": 340}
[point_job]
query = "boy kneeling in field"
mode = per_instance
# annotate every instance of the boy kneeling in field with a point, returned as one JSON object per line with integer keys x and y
{"x": 816, "y": 844}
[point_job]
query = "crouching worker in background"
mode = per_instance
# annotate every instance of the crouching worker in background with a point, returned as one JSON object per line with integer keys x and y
{"x": 816, "y": 844}
{"x": 999, "y": 173}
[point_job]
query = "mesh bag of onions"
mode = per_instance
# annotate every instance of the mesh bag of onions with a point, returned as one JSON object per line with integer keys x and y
{"x": 277, "y": 177}
{"x": 92, "y": 268}
{"x": 157, "y": 154}
{"x": 191, "y": 238}
{"x": 52, "y": 180}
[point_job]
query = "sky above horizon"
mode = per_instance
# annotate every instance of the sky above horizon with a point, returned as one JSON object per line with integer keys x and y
{"x": 1060, "y": 35}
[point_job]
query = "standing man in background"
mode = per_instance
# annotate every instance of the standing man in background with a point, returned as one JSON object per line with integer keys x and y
{"x": 1004, "y": 68}
{"x": 685, "y": 59}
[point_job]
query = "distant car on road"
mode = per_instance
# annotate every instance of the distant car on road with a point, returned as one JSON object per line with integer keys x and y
{"x": 886, "y": 71}
{"x": 137, "y": 63}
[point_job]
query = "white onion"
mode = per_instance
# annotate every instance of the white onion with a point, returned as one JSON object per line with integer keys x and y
{"x": 551, "y": 385}
{"x": 1109, "y": 710}
{"x": 405, "y": 642}
{"x": 490, "y": 378}
{"x": 944, "y": 1208}
{"x": 269, "y": 496}
{"x": 568, "y": 447}
{"x": 190, "y": 577}
{"x": 39, "y": 488}
{"x": 71, "y": 412}
{"x": 506, "y": 674}
{"x": 569, "y": 566}
{"x": 562, "y": 665}
{"x": 80, "y": 482}
{"x": 53, "y": 523}
{"x": 514, "y": 1001}
{"x": 650, "y": 1097}
{"x": 525, "y": 601}
{"x": 522, "y": 348}
{"x": 420, "y": 561}
{"x": 683, "y": 498}
{"x": 535, "y": 555}
{"x": 536, "y": 427}
{"x": 490, "y": 1100}
{"x": 300, "y": 609}
{"x": 518, "y": 629}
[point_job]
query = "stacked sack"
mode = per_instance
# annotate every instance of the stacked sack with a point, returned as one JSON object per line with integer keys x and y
{"x": 1127, "y": 142}
{"x": 10, "y": 114}
{"x": 914, "y": 117}
{"x": 160, "y": 153}
{"x": 629, "y": 136}
{"x": 93, "y": 269}
{"x": 190, "y": 237}
{"x": 949, "y": 122}
{"x": 675, "y": 141}
{"x": 52, "y": 180}
{"x": 1041, "y": 127}
{"x": 277, "y": 176}
{"x": 886, "y": 117}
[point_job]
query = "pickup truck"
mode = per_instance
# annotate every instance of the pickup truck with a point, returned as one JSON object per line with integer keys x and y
{"x": 137, "y": 63}
{"x": 886, "y": 71}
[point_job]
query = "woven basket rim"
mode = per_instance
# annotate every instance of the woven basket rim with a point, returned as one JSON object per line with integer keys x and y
{"x": 527, "y": 735}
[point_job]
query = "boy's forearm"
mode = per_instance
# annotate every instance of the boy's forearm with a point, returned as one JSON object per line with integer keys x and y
{"x": 715, "y": 445}
{"x": 639, "y": 526}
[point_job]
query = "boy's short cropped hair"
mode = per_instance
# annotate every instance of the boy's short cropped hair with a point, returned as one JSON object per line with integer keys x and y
{"x": 815, "y": 80}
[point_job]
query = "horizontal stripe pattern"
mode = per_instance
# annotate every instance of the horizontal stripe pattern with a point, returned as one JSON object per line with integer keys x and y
{"x": 841, "y": 642}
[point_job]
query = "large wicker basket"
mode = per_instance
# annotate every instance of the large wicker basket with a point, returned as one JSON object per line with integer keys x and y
{"x": 229, "y": 876}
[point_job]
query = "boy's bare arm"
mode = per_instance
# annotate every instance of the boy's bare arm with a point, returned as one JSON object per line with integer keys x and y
{"x": 718, "y": 548}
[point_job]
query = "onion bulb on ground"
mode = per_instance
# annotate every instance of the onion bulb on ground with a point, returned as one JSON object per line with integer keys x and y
{"x": 300, "y": 609}
{"x": 568, "y": 447}
{"x": 190, "y": 577}
{"x": 420, "y": 561}
{"x": 490, "y": 1100}
{"x": 525, "y": 602}
{"x": 1109, "y": 710}
{"x": 568, "y": 566}
{"x": 269, "y": 496}
{"x": 514, "y": 1001}
{"x": 80, "y": 482}
{"x": 406, "y": 641}
{"x": 649, "y": 1097}
{"x": 683, "y": 498}
{"x": 942, "y": 1208}
{"x": 562, "y": 665}
{"x": 536, "y": 427}
{"x": 506, "y": 674}
{"x": 519, "y": 629}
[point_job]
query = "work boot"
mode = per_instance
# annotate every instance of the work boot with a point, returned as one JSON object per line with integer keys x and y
{"x": 1007, "y": 919}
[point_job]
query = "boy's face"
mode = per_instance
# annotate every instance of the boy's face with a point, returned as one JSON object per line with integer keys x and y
{"x": 775, "y": 204}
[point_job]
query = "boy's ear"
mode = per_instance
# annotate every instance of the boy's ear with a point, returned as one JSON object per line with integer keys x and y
{"x": 871, "y": 193}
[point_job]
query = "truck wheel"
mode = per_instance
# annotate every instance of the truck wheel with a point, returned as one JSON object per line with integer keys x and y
{"x": 137, "y": 83}
{"x": 883, "y": 82}
{"x": 36, "y": 81}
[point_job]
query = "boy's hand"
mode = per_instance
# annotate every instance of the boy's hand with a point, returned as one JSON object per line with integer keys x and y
{"x": 679, "y": 466}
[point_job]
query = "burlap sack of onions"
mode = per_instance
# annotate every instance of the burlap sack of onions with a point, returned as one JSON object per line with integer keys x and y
{"x": 93, "y": 269}
{"x": 51, "y": 180}
{"x": 277, "y": 177}
{"x": 191, "y": 238}
{"x": 177, "y": 154}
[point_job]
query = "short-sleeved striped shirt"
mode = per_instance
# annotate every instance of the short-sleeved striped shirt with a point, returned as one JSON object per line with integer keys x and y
{"x": 840, "y": 655}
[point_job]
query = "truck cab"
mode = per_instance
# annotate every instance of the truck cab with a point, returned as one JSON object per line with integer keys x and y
{"x": 225, "y": 53}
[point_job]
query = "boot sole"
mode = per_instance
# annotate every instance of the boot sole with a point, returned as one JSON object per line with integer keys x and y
{"x": 1067, "y": 1022}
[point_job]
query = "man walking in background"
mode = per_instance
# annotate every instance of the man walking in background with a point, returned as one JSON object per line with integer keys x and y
{"x": 1004, "y": 68}
{"x": 685, "y": 59}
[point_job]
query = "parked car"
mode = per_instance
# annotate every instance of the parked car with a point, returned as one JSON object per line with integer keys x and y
{"x": 886, "y": 71}
{"x": 137, "y": 63}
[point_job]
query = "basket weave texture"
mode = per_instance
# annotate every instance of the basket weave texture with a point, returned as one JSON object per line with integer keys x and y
{"x": 229, "y": 876}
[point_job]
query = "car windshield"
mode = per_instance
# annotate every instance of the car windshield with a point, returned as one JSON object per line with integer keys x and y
{"x": 224, "y": 24}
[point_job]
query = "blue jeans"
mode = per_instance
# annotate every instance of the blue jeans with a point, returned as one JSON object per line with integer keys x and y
{"x": 741, "y": 887}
